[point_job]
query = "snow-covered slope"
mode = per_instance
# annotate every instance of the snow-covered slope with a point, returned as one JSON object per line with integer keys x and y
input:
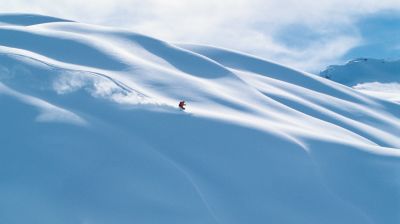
{"x": 372, "y": 76}
{"x": 91, "y": 133}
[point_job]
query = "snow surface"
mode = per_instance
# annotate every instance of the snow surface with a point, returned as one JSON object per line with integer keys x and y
{"x": 376, "y": 77}
{"x": 91, "y": 133}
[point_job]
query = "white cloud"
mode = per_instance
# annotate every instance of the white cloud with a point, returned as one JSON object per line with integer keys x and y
{"x": 247, "y": 25}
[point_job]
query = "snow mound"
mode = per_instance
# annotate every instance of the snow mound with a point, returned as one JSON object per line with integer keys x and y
{"x": 48, "y": 112}
{"x": 91, "y": 133}
{"x": 27, "y": 19}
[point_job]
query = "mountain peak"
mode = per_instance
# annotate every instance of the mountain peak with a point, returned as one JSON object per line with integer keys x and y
{"x": 363, "y": 70}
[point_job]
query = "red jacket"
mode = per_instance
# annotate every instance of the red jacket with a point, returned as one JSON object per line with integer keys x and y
{"x": 182, "y": 105}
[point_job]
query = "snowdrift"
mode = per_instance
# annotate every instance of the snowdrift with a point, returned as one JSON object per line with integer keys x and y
{"x": 91, "y": 133}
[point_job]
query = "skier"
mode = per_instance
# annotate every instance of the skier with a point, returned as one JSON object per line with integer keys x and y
{"x": 182, "y": 105}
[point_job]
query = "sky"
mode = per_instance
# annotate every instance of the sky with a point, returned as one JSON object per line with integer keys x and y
{"x": 307, "y": 34}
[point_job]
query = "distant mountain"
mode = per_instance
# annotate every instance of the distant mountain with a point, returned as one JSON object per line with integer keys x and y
{"x": 91, "y": 132}
{"x": 364, "y": 70}
{"x": 376, "y": 77}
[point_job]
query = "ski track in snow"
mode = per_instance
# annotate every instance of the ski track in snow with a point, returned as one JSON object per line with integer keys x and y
{"x": 91, "y": 133}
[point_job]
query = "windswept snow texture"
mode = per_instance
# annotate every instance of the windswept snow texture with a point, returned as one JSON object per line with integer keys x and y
{"x": 91, "y": 133}
{"x": 380, "y": 78}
